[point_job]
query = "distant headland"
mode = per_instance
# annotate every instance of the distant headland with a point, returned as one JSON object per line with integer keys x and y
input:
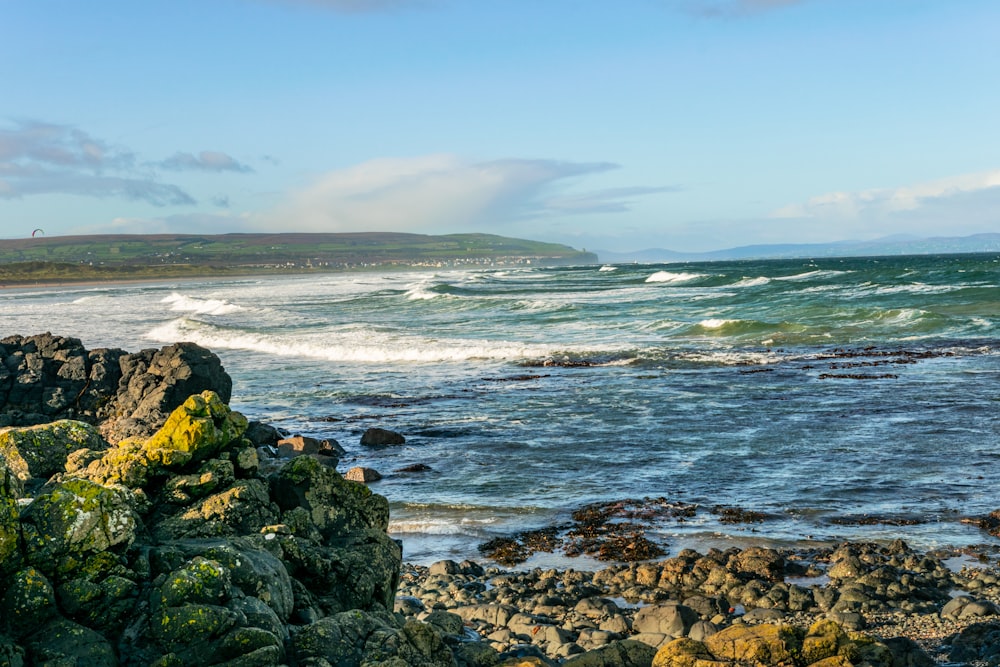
{"x": 153, "y": 256}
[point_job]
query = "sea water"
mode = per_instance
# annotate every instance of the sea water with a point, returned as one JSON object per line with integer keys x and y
{"x": 850, "y": 398}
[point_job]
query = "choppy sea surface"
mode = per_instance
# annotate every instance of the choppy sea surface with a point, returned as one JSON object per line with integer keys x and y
{"x": 843, "y": 398}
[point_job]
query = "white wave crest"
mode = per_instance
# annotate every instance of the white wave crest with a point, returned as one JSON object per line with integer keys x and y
{"x": 606, "y": 267}
{"x": 752, "y": 282}
{"x": 420, "y": 294}
{"x": 715, "y": 323}
{"x": 190, "y": 304}
{"x": 813, "y": 274}
{"x": 354, "y": 345}
{"x": 439, "y": 526}
{"x": 668, "y": 277}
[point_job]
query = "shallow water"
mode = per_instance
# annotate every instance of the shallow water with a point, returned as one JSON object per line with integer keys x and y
{"x": 822, "y": 394}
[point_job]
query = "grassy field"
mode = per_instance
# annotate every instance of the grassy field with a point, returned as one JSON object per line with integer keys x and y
{"x": 124, "y": 257}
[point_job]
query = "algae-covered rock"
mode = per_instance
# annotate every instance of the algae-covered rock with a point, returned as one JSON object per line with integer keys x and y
{"x": 200, "y": 580}
{"x": 195, "y": 431}
{"x": 243, "y": 508}
{"x": 73, "y": 520}
{"x": 826, "y": 639}
{"x": 335, "y": 506}
{"x": 257, "y": 573}
{"x": 41, "y": 451}
{"x": 10, "y": 524}
{"x": 764, "y": 644}
{"x": 624, "y": 653}
{"x": 355, "y": 638}
{"x": 29, "y": 603}
{"x": 684, "y": 652}
{"x": 63, "y": 642}
{"x": 11, "y": 654}
{"x": 361, "y": 572}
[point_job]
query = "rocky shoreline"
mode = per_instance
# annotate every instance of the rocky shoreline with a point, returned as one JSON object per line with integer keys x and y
{"x": 926, "y": 608}
{"x": 143, "y": 522}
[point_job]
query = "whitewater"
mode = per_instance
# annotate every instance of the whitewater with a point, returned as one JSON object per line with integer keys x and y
{"x": 839, "y": 398}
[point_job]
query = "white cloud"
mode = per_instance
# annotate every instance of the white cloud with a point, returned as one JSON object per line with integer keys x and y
{"x": 442, "y": 193}
{"x": 886, "y": 201}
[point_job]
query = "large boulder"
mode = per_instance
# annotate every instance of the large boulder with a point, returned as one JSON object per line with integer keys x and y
{"x": 74, "y": 520}
{"x": 360, "y": 638}
{"x": 41, "y": 451}
{"x": 45, "y": 378}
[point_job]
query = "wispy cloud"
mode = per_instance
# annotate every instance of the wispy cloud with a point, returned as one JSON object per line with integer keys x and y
{"x": 38, "y": 158}
{"x": 444, "y": 192}
{"x": 204, "y": 161}
{"x": 59, "y": 146}
{"x": 883, "y": 201}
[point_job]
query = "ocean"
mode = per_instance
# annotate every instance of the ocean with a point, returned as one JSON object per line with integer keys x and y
{"x": 851, "y": 398}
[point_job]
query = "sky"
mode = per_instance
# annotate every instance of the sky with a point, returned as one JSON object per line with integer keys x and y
{"x": 690, "y": 125}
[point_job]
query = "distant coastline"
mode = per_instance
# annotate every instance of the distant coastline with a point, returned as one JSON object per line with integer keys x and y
{"x": 129, "y": 258}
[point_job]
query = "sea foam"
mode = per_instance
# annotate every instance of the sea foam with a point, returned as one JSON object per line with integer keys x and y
{"x": 350, "y": 346}
{"x": 669, "y": 277}
{"x": 189, "y": 304}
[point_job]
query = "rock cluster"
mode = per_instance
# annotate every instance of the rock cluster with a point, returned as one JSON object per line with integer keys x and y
{"x": 44, "y": 378}
{"x": 858, "y": 603}
{"x": 177, "y": 549}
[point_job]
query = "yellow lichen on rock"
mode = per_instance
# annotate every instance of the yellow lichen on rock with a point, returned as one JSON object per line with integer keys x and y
{"x": 764, "y": 644}
{"x": 196, "y": 430}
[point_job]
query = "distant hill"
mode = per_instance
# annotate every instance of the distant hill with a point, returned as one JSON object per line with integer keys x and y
{"x": 135, "y": 256}
{"x": 881, "y": 247}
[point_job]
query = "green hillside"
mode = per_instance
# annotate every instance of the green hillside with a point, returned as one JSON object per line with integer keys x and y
{"x": 121, "y": 256}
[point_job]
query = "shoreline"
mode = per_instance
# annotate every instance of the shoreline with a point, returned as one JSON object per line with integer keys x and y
{"x": 888, "y": 592}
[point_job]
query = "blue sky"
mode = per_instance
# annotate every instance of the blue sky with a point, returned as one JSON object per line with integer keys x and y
{"x": 682, "y": 124}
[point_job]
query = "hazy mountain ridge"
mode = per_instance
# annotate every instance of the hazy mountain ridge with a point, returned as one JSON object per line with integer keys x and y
{"x": 887, "y": 246}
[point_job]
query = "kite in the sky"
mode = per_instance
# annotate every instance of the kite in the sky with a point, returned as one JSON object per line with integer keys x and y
{"x": 38, "y": 231}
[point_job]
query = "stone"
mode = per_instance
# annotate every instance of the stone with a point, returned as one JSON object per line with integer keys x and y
{"x": 684, "y": 652}
{"x": 672, "y": 620}
{"x": 50, "y": 378}
{"x": 299, "y": 445}
{"x": 363, "y": 475}
{"x": 356, "y": 637}
{"x": 380, "y": 437}
{"x": 63, "y": 642}
{"x": 624, "y": 653}
{"x": 73, "y": 520}
{"x": 41, "y": 451}
{"x": 28, "y": 604}
{"x": 766, "y": 644}
{"x": 195, "y": 431}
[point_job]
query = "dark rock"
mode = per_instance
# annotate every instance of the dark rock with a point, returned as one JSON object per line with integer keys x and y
{"x": 380, "y": 437}
{"x": 908, "y": 653}
{"x": 354, "y": 638}
{"x": 63, "y": 642}
{"x": 261, "y": 434}
{"x": 29, "y": 603}
{"x": 416, "y": 467}
{"x": 624, "y": 653}
{"x": 45, "y": 378}
{"x": 978, "y": 642}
